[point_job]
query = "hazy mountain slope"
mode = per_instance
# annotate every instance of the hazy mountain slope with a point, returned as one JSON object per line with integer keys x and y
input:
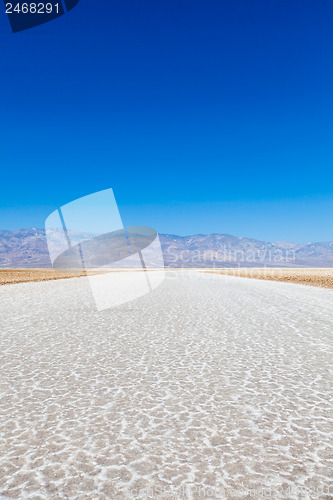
{"x": 28, "y": 248}
{"x": 24, "y": 248}
{"x": 223, "y": 250}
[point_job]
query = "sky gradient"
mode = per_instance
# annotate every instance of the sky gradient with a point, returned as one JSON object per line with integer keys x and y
{"x": 203, "y": 116}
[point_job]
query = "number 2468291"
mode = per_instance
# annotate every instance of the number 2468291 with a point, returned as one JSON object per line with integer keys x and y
{"x": 32, "y": 8}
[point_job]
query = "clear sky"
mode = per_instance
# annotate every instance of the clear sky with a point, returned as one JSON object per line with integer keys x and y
{"x": 203, "y": 116}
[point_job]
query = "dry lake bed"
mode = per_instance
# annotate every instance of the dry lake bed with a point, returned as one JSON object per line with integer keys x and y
{"x": 211, "y": 386}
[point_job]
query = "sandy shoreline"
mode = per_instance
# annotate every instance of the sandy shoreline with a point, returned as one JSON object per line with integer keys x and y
{"x": 319, "y": 277}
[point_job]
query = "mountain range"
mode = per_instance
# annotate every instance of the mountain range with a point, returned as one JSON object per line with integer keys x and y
{"x": 27, "y": 248}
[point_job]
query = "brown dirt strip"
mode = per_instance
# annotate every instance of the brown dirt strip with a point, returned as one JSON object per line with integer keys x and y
{"x": 11, "y": 276}
{"x": 320, "y": 277}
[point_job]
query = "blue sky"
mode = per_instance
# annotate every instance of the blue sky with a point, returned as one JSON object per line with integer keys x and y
{"x": 203, "y": 116}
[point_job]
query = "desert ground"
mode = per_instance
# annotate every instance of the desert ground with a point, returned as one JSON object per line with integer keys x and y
{"x": 11, "y": 276}
{"x": 211, "y": 386}
{"x": 322, "y": 277}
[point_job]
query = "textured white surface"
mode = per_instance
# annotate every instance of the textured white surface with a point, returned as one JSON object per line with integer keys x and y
{"x": 209, "y": 387}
